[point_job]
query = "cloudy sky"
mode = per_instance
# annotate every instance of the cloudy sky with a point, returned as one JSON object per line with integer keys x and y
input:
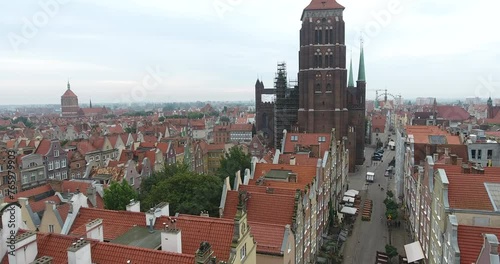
{"x": 160, "y": 51}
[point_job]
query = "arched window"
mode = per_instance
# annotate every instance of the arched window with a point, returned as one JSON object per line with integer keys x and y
{"x": 328, "y": 88}
{"x": 320, "y": 35}
{"x": 331, "y": 59}
{"x": 320, "y": 61}
{"x": 331, "y": 35}
{"x": 318, "y": 88}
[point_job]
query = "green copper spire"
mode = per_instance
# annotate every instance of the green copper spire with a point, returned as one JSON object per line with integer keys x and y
{"x": 361, "y": 73}
{"x": 490, "y": 102}
{"x": 351, "y": 78}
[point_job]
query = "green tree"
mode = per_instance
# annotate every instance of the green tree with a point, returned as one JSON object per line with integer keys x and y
{"x": 224, "y": 119}
{"x": 118, "y": 195}
{"x": 132, "y": 130}
{"x": 166, "y": 172}
{"x": 161, "y": 119}
{"x": 233, "y": 161}
{"x": 24, "y": 120}
{"x": 187, "y": 193}
{"x": 391, "y": 251}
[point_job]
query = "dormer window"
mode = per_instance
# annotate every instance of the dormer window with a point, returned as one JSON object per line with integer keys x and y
{"x": 295, "y": 138}
{"x": 321, "y": 139}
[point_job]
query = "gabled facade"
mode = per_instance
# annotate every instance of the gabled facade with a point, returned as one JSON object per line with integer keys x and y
{"x": 55, "y": 159}
{"x": 33, "y": 171}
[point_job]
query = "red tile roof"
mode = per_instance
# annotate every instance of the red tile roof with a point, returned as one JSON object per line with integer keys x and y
{"x": 195, "y": 229}
{"x": 69, "y": 93}
{"x": 241, "y": 127}
{"x": 421, "y": 134}
{"x": 55, "y": 246}
{"x": 470, "y": 186}
{"x": 300, "y": 159}
{"x": 269, "y": 237}
{"x": 471, "y": 240}
{"x": 43, "y": 148}
{"x": 307, "y": 139}
{"x": 31, "y": 192}
{"x": 263, "y": 207}
{"x": 323, "y": 4}
{"x": 452, "y": 112}
{"x": 39, "y": 206}
{"x": 305, "y": 174}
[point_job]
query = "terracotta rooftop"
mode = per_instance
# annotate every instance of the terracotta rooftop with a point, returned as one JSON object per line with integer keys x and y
{"x": 55, "y": 246}
{"x": 305, "y": 174}
{"x": 269, "y": 237}
{"x": 195, "y": 229}
{"x": 263, "y": 207}
{"x": 422, "y": 135}
{"x": 305, "y": 140}
{"x": 69, "y": 93}
{"x": 43, "y": 148}
{"x": 452, "y": 113}
{"x": 300, "y": 159}
{"x": 470, "y": 241}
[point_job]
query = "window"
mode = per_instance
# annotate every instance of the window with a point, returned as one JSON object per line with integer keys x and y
{"x": 131, "y": 180}
{"x": 97, "y": 158}
{"x": 473, "y": 154}
{"x": 481, "y": 221}
{"x": 295, "y": 138}
{"x": 489, "y": 154}
{"x": 56, "y": 153}
{"x": 243, "y": 251}
{"x": 58, "y": 175}
{"x": 318, "y": 88}
{"x": 65, "y": 175}
{"x": 478, "y": 154}
{"x": 321, "y": 139}
{"x": 78, "y": 165}
{"x": 25, "y": 178}
{"x": 51, "y": 166}
{"x": 63, "y": 163}
{"x": 57, "y": 164}
{"x": 331, "y": 35}
{"x": 33, "y": 177}
{"x": 51, "y": 228}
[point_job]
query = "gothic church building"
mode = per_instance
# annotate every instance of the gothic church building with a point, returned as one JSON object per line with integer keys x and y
{"x": 328, "y": 97}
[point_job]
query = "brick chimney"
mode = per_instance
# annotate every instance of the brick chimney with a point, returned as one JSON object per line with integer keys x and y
{"x": 94, "y": 230}
{"x": 25, "y": 248}
{"x": 43, "y": 260}
{"x": 292, "y": 160}
{"x": 459, "y": 161}
{"x": 454, "y": 158}
{"x": 134, "y": 206}
{"x": 171, "y": 238}
{"x": 79, "y": 252}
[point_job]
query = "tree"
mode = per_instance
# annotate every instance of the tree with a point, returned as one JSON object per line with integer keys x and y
{"x": 187, "y": 193}
{"x": 391, "y": 251}
{"x": 233, "y": 161}
{"x": 161, "y": 119}
{"x": 132, "y": 130}
{"x": 24, "y": 120}
{"x": 118, "y": 195}
{"x": 166, "y": 172}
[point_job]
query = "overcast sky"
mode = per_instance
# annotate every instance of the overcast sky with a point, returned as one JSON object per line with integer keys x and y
{"x": 161, "y": 51}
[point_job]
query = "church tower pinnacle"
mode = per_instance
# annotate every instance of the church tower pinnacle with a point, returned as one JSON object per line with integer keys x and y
{"x": 351, "y": 78}
{"x": 361, "y": 73}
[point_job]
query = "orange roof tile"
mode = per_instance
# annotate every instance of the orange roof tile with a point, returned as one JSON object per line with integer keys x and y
{"x": 39, "y": 206}
{"x": 421, "y": 134}
{"x": 300, "y": 159}
{"x": 307, "y": 139}
{"x": 305, "y": 174}
{"x": 195, "y": 229}
{"x": 470, "y": 186}
{"x": 263, "y": 207}
{"x": 269, "y": 237}
{"x": 31, "y": 192}
{"x": 43, "y": 148}
{"x": 470, "y": 241}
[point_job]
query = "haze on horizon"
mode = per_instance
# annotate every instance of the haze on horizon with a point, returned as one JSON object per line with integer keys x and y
{"x": 196, "y": 50}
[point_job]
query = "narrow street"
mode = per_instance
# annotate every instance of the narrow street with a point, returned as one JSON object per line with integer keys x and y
{"x": 369, "y": 236}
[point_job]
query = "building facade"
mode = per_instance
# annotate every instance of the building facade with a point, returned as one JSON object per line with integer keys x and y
{"x": 69, "y": 103}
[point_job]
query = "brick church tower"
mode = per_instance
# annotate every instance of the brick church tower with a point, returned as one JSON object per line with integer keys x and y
{"x": 325, "y": 100}
{"x": 69, "y": 103}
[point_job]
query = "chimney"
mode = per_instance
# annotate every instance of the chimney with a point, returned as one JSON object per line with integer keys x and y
{"x": 91, "y": 195}
{"x": 171, "y": 238}
{"x": 292, "y": 160}
{"x": 204, "y": 214}
{"x": 43, "y": 260}
{"x": 454, "y": 158}
{"x": 151, "y": 216}
{"x": 269, "y": 190}
{"x": 79, "y": 252}
{"x": 435, "y": 157}
{"x": 447, "y": 160}
{"x": 204, "y": 254}
{"x": 134, "y": 206}
{"x": 459, "y": 161}
{"x": 94, "y": 230}
{"x": 446, "y": 151}
{"x": 25, "y": 248}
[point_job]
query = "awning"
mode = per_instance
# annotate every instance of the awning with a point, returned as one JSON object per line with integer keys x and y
{"x": 414, "y": 252}
{"x": 351, "y": 193}
{"x": 348, "y": 210}
{"x": 348, "y": 199}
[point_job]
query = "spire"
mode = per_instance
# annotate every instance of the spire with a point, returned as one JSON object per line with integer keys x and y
{"x": 351, "y": 78}
{"x": 68, "y": 85}
{"x": 361, "y": 72}
{"x": 490, "y": 102}
{"x": 90, "y": 102}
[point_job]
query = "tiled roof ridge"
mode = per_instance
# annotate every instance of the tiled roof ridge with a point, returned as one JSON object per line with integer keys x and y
{"x": 265, "y": 194}
{"x": 265, "y": 223}
{"x": 202, "y": 219}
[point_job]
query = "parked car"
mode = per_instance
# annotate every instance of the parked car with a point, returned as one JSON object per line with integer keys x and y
{"x": 387, "y": 173}
{"x": 380, "y": 150}
{"x": 377, "y": 158}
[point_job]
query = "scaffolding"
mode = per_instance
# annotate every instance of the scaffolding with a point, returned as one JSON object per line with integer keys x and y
{"x": 286, "y": 104}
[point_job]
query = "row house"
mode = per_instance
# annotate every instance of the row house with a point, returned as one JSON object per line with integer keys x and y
{"x": 200, "y": 157}
{"x": 32, "y": 171}
{"x": 240, "y": 133}
{"x": 257, "y": 147}
{"x": 469, "y": 194}
{"x": 55, "y": 159}
{"x": 221, "y": 134}
{"x": 77, "y": 164}
{"x": 229, "y": 240}
{"x": 481, "y": 150}
{"x": 168, "y": 152}
{"x": 215, "y": 153}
